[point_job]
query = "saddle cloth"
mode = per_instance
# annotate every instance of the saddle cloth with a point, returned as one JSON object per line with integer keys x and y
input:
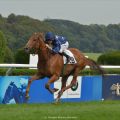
{"x": 72, "y": 61}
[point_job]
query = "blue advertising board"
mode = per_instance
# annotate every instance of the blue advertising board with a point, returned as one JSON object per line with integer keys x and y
{"x": 91, "y": 88}
{"x": 12, "y": 90}
{"x": 111, "y": 87}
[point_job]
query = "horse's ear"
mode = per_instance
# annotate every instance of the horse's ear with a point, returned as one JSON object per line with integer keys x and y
{"x": 35, "y": 33}
{"x": 43, "y": 35}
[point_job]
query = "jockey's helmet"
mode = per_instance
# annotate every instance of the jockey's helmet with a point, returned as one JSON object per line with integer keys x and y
{"x": 49, "y": 36}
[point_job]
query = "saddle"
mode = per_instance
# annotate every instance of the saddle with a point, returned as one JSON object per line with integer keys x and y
{"x": 69, "y": 60}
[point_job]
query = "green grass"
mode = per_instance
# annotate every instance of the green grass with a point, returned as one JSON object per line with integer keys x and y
{"x": 106, "y": 110}
{"x": 93, "y": 56}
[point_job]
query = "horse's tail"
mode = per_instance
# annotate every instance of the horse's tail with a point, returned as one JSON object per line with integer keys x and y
{"x": 94, "y": 66}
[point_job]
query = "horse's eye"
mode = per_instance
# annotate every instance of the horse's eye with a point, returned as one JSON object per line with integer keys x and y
{"x": 34, "y": 40}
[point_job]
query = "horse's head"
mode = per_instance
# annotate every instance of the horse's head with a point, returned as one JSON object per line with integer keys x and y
{"x": 13, "y": 92}
{"x": 8, "y": 94}
{"x": 35, "y": 43}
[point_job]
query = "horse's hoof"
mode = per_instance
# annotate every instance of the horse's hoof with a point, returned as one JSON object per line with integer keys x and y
{"x": 55, "y": 89}
{"x": 60, "y": 93}
{"x": 51, "y": 91}
{"x": 27, "y": 97}
{"x": 57, "y": 101}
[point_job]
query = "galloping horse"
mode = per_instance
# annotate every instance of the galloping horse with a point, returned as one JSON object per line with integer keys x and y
{"x": 52, "y": 65}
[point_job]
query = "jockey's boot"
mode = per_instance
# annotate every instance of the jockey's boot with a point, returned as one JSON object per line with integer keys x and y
{"x": 67, "y": 56}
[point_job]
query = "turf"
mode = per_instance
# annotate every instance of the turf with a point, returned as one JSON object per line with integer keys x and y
{"x": 106, "y": 110}
{"x": 93, "y": 56}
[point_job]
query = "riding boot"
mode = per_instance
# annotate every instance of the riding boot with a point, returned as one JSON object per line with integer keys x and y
{"x": 67, "y": 56}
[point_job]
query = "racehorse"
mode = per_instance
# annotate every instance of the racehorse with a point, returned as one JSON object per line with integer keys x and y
{"x": 12, "y": 92}
{"x": 52, "y": 65}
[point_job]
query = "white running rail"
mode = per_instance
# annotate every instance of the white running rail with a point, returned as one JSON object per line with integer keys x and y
{"x": 35, "y": 66}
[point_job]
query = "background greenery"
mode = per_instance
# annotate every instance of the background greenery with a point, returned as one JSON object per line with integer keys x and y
{"x": 111, "y": 58}
{"x": 30, "y": 72}
{"x": 16, "y": 30}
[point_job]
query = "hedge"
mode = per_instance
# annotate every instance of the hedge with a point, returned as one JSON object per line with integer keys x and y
{"x": 30, "y": 72}
{"x": 16, "y": 71}
{"x": 112, "y": 58}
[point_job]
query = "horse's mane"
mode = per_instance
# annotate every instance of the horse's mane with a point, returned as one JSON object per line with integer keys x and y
{"x": 44, "y": 50}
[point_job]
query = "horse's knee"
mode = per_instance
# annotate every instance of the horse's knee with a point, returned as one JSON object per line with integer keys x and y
{"x": 30, "y": 81}
{"x": 73, "y": 83}
{"x": 60, "y": 92}
{"x": 47, "y": 86}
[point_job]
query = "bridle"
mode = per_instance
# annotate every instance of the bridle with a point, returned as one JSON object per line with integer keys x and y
{"x": 41, "y": 48}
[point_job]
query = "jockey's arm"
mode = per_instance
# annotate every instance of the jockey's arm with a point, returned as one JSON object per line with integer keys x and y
{"x": 56, "y": 50}
{"x": 48, "y": 47}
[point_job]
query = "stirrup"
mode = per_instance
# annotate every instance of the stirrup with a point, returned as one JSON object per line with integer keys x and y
{"x": 71, "y": 60}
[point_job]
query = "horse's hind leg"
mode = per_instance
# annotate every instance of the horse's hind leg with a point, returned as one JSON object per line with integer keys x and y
{"x": 51, "y": 80}
{"x": 74, "y": 80}
{"x": 64, "y": 80}
{"x": 35, "y": 77}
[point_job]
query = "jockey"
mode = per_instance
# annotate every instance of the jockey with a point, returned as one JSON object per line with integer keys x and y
{"x": 59, "y": 44}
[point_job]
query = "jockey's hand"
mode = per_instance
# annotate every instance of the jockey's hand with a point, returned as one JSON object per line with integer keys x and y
{"x": 48, "y": 47}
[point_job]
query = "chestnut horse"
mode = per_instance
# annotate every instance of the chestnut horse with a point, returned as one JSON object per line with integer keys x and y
{"x": 51, "y": 65}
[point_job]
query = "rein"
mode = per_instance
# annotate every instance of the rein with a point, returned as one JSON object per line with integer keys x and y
{"x": 43, "y": 49}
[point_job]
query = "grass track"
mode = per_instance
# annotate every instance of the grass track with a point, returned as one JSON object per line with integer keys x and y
{"x": 93, "y": 56}
{"x": 106, "y": 110}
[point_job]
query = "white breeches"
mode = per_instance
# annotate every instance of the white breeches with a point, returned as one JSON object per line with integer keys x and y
{"x": 64, "y": 47}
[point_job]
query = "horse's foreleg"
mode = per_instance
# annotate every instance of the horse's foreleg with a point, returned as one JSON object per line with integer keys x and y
{"x": 51, "y": 80}
{"x": 35, "y": 77}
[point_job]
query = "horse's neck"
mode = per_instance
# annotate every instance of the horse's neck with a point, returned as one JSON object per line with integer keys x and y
{"x": 44, "y": 56}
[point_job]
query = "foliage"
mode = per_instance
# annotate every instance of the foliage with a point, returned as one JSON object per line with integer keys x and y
{"x": 88, "y": 38}
{"x": 17, "y": 30}
{"x": 2, "y": 47}
{"x": 21, "y": 57}
{"x": 111, "y": 58}
{"x": 9, "y": 56}
{"x": 29, "y": 72}
{"x": 93, "y": 56}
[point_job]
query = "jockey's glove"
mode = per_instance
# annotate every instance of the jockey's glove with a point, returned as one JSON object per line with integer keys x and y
{"x": 48, "y": 47}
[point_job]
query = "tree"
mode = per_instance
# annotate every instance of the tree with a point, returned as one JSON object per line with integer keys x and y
{"x": 87, "y": 38}
{"x": 11, "y": 18}
{"x": 9, "y": 56}
{"x": 21, "y": 57}
{"x": 2, "y": 47}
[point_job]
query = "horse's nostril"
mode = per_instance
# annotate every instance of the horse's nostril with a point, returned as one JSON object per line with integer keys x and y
{"x": 26, "y": 49}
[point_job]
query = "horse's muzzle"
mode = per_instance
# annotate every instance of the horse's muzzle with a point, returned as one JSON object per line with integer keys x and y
{"x": 27, "y": 50}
